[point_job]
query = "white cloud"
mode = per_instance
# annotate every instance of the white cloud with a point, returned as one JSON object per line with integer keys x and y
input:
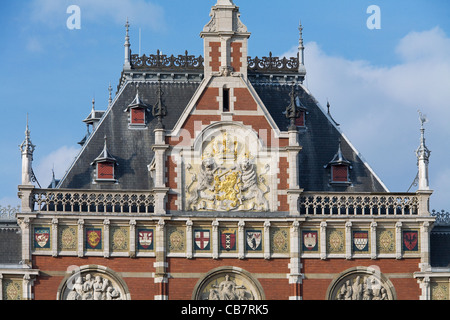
{"x": 59, "y": 161}
{"x": 140, "y": 12}
{"x": 377, "y": 106}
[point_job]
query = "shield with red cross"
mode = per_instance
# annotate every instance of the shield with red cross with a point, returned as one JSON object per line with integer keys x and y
{"x": 202, "y": 239}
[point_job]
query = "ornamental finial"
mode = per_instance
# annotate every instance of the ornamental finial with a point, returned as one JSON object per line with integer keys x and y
{"x": 110, "y": 94}
{"x": 127, "y": 63}
{"x": 423, "y": 156}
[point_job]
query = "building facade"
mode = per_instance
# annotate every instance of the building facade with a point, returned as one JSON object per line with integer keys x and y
{"x": 220, "y": 177}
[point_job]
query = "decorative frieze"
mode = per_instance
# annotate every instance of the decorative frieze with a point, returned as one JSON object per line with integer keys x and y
{"x": 229, "y": 238}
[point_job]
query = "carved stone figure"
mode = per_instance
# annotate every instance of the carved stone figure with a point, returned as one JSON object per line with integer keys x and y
{"x": 90, "y": 289}
{"x": 250, "y": 186}
{"x": 228, "y": 177}
{"x": 205, "y": 182}
{"x": 362, "y": 288}
{"x": 229, "y": 290}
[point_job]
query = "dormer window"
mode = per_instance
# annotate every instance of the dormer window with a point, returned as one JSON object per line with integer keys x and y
{"x": 137, "y": 116}
{"x": 339, "y": 167}
{"x": 137, "y": 111}
{"x": 104, "y": 167}
{"x": 300, "y": 120}
{"x": 105, "y": 170}
{"x": 339, "y": 173}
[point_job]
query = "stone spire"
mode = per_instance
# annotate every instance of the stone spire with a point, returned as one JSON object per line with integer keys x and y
{"x": 301, "y": 52}
{"x": 423, "y": 156}
{"x": 27, "y": 148}
{"x": 127, "y": 63}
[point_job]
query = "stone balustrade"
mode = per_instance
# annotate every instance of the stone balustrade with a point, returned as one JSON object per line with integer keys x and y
{"x": 90, "y": 201}
{"x": 360, "y": 204}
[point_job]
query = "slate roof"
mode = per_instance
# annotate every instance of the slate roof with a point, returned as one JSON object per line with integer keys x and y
{"x": 439, "y": 247}
{"x": 11, "y": 244}
{"x": 320, "y": 142}
{"x": 131, "y": 147}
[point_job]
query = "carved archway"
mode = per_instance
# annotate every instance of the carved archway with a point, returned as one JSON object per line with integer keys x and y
{"x": 93, "y": 282}
{"x": 228, "y": 283}
{"x": 361, "y": 283}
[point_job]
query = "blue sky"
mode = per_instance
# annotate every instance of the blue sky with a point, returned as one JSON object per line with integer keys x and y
{"x": 375, "y": 80}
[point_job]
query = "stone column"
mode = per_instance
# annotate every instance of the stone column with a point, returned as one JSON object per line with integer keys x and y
{"x": 161, "y": 264}
{"x": 267, "y": 239}
{"x": 425, "y": 246}
{"x": 398, "y": 239}
{"x": 132, "y": 252}
{"x": 160, "y": 189}
{"x": 294, "y": 190}
{"x": 373, "y": 240}
{"x": 25, "y": 225}
{"x": 215, "y": 239}
{"x": 241, "y": 239}
{"x": 189, "y": 243}
{"x": 80, "y": 238}
{"x": 295, "y": 276}
{"x": 348, "y": 240}
{"x": 54, "y": 237}
{"x": 323, "y": 240}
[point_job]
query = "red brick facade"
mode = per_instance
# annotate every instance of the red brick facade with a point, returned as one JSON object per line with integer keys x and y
{"x": 137, "y": 274}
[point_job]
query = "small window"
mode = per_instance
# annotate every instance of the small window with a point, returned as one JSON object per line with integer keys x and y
{"x": 226, "y": 100}
{"x": 138, "y": 116}
{"x": 300, "y": 121}
{"x": 339, "y": 173}
{"x": 105, "y": 171}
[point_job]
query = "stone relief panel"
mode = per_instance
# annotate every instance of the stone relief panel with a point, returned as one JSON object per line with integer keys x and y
{"x": 228, "y": 284}
{"x": 12, "y": 289}
{"x": 279, "y": 240}
{"x": 228, "y": 173}
{"x": 176, "y": 239}
{"x": 119, "y": 238}
{"x": 335, "y": 241}
{"x": 439, "y": 290}
{"x": 93, "y": 285}
{"x": 67, "y": 238}
{"x": 386, "y": 241}
{"x": 361, "y": 283}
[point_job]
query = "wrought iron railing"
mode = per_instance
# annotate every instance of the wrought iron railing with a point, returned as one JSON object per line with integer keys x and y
{"x": 188, "y": 62}
{"x": 161, "y": 61}
{"x": 84, "y": 201}
{"x": 273, "y": 64}
{"x": 358, "y": 204}
{"x": 8, "y": 213}
{"x": 442, "y": 217}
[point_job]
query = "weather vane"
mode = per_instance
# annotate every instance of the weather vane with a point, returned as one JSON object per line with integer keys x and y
{"x": 422, "y": 117}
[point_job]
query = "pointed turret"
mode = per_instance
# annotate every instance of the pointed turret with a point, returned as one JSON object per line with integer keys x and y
{"x": 27, "y": 148}
{"x": 423, "y": 156}
{"x": 127, "y": 63}
{"x": 94, "y": 117}
{"x": 301, "y": 52}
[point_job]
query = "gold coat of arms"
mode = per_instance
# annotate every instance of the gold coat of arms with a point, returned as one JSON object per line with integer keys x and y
{"x": 228, "y": 178}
